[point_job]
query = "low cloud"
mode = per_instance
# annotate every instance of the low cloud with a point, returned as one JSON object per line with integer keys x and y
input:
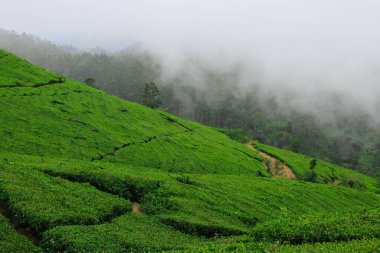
{"x": 311, "y": 55}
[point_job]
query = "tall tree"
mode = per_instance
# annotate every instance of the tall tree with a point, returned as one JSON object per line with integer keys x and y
{"x": 90, "y": 81}
{"x": 151, "y": 95}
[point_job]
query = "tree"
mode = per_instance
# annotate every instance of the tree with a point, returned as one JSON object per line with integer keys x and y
{"x": 90, "y": 81}
{"x": 151, "y": 95}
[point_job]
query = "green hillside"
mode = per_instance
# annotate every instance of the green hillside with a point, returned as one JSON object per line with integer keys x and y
{"x": 58, "y": 117}
{"x": 324, "y": 172}
{"x": 84, "y": 171}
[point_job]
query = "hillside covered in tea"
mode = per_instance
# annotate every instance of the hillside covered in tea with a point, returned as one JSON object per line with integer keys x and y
{"x": 85, "y": 171}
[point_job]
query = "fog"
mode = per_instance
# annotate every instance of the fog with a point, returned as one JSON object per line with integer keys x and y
{"x": 303, "y": 52}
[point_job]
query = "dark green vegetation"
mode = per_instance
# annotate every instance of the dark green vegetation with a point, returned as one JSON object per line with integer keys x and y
{"x": 131, "y": 232}
{"x": 189, "y": 207}
{"x": 348, "y": 138}
{"x": 43, "y": 202}
{"x": 89, "y": 172}
{"x": 11, "y": 241}
{"x": 320, "y": 228}
{"x": 364, "y": 246}
{"x": 211, "y": 200}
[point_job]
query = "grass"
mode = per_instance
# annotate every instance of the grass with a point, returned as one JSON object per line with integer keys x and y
{"x": 325, "y": 172}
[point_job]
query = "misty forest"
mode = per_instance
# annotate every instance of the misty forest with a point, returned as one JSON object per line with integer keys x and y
{"x": 190, "y": 127}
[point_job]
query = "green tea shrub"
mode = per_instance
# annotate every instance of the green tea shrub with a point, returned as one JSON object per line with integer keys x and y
{"x": 320, "y": 228}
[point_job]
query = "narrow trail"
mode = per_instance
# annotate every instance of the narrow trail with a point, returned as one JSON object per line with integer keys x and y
{"x": 336, "y": 181}
{"x": 274, "y": 166}
{"x": 136, "y": 208}
{"x": 31, "y": 234}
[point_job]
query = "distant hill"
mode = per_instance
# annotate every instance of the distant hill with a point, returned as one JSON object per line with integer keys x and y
{"x": 85, "y": 171}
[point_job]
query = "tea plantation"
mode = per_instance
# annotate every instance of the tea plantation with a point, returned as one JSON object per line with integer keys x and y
{"x": 315, "y": 170}
{"x": 84, "y": 171}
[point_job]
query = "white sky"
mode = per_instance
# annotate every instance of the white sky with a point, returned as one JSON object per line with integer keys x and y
{"x": 115, "y": 23}
{"x": 305, "y": 45}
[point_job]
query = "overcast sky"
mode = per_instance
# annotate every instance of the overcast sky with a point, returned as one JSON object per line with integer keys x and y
{"x": 304, "y": 45}
{"x": 115, "y": 23}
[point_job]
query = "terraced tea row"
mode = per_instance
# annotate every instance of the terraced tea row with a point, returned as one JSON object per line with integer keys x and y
{"x": 242, "y": 246}
{"x": 320, "y": 227}
{"x": 43, "y": 202}
{"x": 11, "y": 241}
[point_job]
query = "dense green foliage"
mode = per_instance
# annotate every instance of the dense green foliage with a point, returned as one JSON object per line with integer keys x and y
{"x": 131, "y": 232}
{"x": 91, "y": 172}
{"x": 350, "y": 246}
{"x": 72, "y": 120}
{"x": 43, "y": 202}
{"x": 15, "y": 72}
{"x": 10, "y": 241}
{"x": 195, "y": 204}
{"x": 199, "y": 205}
{"x": 347, "y": 138}
{"x": 205, "y": 204}
{"x": 236, "y": 134}
{"x": 242, "y": 246}
{"x": 325, "y": 172}
{"x": 320, "y": 228}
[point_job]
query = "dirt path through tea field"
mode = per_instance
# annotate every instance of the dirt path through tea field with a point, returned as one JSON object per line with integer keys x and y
{"x": 273, "y": 165}
{"x": 136, "y": 208}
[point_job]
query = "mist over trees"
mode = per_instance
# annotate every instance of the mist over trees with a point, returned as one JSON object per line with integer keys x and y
{"x": 213, "y": 97}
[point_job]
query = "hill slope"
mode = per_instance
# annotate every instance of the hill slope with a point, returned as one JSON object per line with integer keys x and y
{"x": 75, "y": 160}
{"x": 319, "y": 171}
{"x": 58, "y": 117}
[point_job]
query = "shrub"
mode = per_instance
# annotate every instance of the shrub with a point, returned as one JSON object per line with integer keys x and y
{"x": 236, "y": 134}
{"x": 313, "y": 163}
{"x": 320, "y": 228}
{"x": 11, "y": 241}
{"x": 311, "y": 177}
{"x": 43, "y": 202}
